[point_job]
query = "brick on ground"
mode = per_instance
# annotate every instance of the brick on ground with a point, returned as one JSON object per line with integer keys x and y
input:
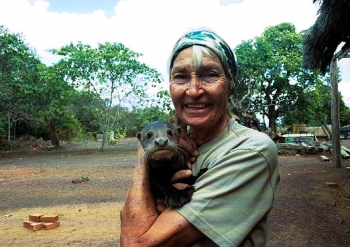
{"x": 32, "y": 225}
{"x": 27, "y": 224}
{"x": 49, "y": 225}
{"x": 40, "y": 221}
{"x": 35, "y": 217}
{"x": 49, "y": 218}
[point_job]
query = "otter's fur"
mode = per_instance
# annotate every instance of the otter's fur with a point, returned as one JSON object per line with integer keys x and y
{"x": 164, "y": 155}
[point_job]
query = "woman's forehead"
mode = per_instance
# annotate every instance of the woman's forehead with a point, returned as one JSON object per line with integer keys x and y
{"x": 186, "y": 58}
{"x": 211, "y": 41}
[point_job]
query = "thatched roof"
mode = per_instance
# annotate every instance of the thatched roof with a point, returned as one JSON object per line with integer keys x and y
{"x": 331, "y": 28}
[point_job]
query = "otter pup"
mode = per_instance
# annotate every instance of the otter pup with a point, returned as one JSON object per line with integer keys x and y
{"x": 164, "y": 155}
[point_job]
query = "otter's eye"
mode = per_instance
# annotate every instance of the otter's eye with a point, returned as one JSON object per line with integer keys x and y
{"x": 149, "y": 134}
{"x": 169, "y": 132}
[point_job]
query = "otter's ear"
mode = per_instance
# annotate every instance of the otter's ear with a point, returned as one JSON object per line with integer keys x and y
{"x": 138, "y": 136}
{"x": 179, "y": 130}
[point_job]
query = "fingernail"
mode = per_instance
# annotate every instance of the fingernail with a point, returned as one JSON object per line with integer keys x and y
{"x": 196, "y": 153}
{"x": 188, "y": 172}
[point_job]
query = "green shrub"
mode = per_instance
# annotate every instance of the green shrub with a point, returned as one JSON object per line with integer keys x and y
{"x": 69, "y": 128}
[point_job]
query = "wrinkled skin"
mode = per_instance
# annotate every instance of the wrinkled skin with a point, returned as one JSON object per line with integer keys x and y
{"x": 200, "y": 95}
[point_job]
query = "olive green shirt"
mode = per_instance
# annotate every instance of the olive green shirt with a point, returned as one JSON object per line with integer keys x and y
{"x": 234, "y": 197}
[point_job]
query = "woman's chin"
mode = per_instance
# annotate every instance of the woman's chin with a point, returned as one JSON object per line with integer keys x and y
{"x": 198, "y": 122}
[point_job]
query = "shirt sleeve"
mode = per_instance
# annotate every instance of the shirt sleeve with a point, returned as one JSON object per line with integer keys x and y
{"x": 233, "y": 198}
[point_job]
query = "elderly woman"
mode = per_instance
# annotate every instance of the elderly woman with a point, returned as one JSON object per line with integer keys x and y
{"x": 233, "y": 198}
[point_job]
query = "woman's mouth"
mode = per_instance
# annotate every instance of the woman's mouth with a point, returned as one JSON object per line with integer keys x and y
{"x": 197, "y": 106}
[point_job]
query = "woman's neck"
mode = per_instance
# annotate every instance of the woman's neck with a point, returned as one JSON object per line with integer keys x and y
{"x": 204, "y": 135}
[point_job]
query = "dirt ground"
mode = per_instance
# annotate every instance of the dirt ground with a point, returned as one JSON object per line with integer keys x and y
{"x": 307, "y": 212}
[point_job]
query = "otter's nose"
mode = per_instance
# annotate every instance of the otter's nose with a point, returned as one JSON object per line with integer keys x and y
{"x": 160, "y": 142}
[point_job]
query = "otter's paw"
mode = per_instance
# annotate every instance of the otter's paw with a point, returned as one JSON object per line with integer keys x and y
{"x": 179, "y": 197}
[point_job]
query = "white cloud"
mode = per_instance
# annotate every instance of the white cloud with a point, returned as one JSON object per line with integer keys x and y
{"x": 344, "y": 88}
{"x": 226, "y": 2}
{"x": 150, "y": 27}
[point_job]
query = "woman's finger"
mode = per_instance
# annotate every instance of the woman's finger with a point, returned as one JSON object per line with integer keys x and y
{"x": 189, "y": 163}
{"x": 181, "y": 175}
{"x": 190, "y": 145}
{"x": 180, "y": 186}
{"x": 160, "y": 205}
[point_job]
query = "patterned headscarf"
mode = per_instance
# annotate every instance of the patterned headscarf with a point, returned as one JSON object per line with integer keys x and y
{"x": 215, "y": 43}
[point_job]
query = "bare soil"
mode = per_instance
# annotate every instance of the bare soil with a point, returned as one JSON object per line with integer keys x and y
{"x": 307, "y": 212}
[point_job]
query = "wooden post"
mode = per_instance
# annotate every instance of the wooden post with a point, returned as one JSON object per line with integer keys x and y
{"x": 335, "y": 114}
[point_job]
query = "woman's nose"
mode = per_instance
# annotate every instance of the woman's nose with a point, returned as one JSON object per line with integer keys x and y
{"x": 194, "y": 88}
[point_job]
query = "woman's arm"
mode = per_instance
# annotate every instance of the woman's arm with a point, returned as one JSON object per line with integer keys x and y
{"x": 142, "y": 226}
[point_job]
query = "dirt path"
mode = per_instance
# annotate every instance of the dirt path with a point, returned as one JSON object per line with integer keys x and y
{"x": 307, "y": 212}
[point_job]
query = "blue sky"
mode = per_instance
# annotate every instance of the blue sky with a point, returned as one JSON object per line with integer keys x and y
{"x": 82, "y": 6}
{"x": 151, "y": 27}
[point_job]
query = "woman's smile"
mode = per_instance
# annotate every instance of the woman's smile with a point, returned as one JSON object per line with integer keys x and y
{"x": 199, "y": 92}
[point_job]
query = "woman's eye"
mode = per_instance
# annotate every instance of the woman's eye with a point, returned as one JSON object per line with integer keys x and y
{"x": 180, "y": 78}
{"x": 210, "y": 77}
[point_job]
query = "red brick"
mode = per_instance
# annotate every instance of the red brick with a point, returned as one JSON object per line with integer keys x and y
{"x": 27, "y": 223}
{"x": 36, "y": 226}
{"x": 35, "y": 217}
{"x": 49, "y": 218}
{"x": 49, "y": 225}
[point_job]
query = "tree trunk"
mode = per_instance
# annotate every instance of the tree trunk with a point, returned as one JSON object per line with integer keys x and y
{"x": 250, "y": 120}
{"x": 272, "y": 115}
{"x": 329, "y": 131}
{"x": 9, "y": 128}
{"x": 52, "y": 132}
{"x": 325, "y": 129}
{"x": 272, "y": 124}
{"x": 54, "y": 139}
{"x": 103, "y": 141}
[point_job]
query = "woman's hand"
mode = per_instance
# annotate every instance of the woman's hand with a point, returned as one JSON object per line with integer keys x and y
{"x": 191, "y": 147}
{"x": 160, "y": 203}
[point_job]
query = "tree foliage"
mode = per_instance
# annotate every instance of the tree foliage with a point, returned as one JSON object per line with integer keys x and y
{"x": 270, "y": 74}
{"x": 86, "y": 107}
{"x": 54, "y": 97}
{"x": 106, "y": 88}
{"x": 314, "y": 108}
{"x": 133, "y": 121}
{"x": 18, "y": 71}
{"x": 18, "y": 77}
{"x": 111, "y": 71}
{"x": 29, "y": 90}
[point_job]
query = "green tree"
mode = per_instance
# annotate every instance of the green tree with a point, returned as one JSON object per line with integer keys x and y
{"x": 151, "y": 114}
{"x": 86, "y": 108}
{"x": 271, "y": 77}
{"x": 313, "y": 107}
{"x": 18, "y": 76}
{"x": 111, "y": 71}
{"x": 69, "y": 128}
{"x": 51, "y": 100}
{"x": 344, "y": 112}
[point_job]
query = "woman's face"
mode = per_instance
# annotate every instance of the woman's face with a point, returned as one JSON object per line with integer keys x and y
{"x": 199, "y": 93}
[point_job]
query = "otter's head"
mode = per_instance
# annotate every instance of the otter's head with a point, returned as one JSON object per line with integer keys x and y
{"x": 159, "y": 140}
